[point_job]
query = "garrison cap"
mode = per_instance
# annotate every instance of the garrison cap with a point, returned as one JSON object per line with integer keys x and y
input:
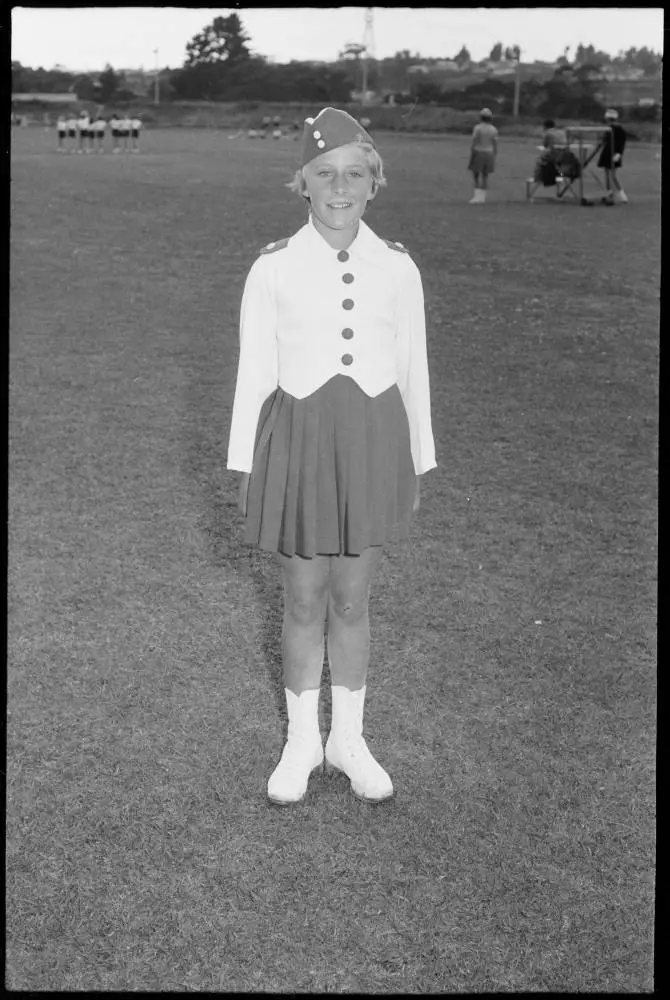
{"x": 331, "y": 128}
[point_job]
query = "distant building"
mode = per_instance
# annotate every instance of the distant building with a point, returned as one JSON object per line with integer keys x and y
{"x": 503, "y": 69}
{"x": 67, "y": 98}
{"x": 623, "y": 73}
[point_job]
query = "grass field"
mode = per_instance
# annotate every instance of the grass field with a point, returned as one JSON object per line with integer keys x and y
{"x": 511, "y": 693}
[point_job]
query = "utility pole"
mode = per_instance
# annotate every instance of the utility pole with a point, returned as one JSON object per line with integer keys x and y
{"x": 368, "y": 48}
{"x": 156, "y": 81}
{"x": 355, "y": 49}
{"x": 517, "y": 82}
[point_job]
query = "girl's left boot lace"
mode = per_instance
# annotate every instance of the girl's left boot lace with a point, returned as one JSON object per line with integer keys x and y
{"x": 303, "y": 751}
{"x": 347, "y": 751}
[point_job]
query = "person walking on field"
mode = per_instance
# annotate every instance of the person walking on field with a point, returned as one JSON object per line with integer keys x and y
{"x": 331, "y": 429}
{"x": 483, "y": 152}
{"x": 611, "y": 158}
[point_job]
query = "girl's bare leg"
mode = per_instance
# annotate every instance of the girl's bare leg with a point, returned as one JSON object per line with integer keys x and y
{"x": 305, "y": 601}
{"x": 348, "y": 620}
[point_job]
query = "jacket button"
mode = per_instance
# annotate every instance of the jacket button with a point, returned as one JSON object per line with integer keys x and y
{"x": 348, "y": 304}
{"x": 347, "y": 278}
{"x": 347, "y": 333}
{"x": 343, "y": 256}
{"x": 347, "y": 359}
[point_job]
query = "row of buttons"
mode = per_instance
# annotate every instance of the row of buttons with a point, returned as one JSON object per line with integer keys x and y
{"x": 347, "y": 333}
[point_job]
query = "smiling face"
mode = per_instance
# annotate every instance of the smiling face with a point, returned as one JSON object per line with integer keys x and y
{"x": 339, "y": 184}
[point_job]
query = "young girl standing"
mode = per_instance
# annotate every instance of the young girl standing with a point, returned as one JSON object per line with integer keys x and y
{"x": 330, "y": 429}
{"x": 611, "y": 158}
{"x": 483, "y": 152}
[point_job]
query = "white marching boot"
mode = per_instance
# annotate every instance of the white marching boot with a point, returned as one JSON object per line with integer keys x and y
{"x": 476, "y": 200}
{"x": 303, "y": 751}
{"x": 347, "y": 751}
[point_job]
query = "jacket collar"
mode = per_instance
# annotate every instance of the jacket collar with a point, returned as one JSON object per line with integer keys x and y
{"x": 364, "y": 245}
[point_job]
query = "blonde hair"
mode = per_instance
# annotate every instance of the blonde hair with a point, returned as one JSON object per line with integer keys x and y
{"x": 374, "y": 161}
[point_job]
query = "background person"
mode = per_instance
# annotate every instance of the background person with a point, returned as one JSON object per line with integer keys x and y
{"x": 90, "y": 136}
{"x": 61, "y": 126}
{"x": 83, "y": 123}
{"x": 331, "y": 428}
{"x": 135, "y": 127}
{"x": 72, "y": 133}
{"x": 99, "y": 128}
{"x": 124, "y": 132}
{"x": 114, "y": 123}
{"x": 483, "y": 152}
{"x": 554, "y": 142}
{"x": 611, "y": 158}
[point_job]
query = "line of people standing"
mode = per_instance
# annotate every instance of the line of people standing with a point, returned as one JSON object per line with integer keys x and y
{"x": 81, "y": 134}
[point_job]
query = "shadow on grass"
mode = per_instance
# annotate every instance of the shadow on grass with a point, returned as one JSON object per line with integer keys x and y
{"x": 221, "y": 526}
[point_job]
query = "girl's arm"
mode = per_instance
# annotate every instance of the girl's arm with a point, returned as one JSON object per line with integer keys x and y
{"x": 258, "y": 368}
{"x": 412, "y": 367}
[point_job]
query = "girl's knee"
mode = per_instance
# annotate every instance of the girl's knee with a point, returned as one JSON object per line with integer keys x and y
{"x": 349, "y": 608}
{"x": 305, "y": 609}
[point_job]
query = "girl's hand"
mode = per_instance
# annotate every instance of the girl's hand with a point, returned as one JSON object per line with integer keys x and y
{"x": 417, "y": 495}
{"x": 242, "y": 493}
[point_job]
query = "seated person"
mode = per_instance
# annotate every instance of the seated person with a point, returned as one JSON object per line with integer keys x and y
{"x": 555, "y": 160}
{"x": 553, "y": 135}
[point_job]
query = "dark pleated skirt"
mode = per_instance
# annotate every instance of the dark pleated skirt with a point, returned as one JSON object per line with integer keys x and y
{"x": 332, "y": 473}
{"x": 481, "y": 162}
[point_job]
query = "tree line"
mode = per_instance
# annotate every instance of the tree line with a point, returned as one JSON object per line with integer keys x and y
{"x": 220, "y": 65}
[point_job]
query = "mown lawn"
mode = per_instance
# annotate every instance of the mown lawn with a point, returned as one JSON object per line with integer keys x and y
{"x": 512, "y": 679}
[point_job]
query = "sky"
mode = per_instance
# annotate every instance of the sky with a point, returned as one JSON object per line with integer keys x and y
{"x": 128, "y": 37}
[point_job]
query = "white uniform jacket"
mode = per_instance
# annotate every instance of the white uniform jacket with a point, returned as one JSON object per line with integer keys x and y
{"x": 310, "y": 312}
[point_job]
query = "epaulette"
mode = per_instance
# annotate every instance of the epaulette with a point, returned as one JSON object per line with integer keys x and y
{"x": 396, "y": 246}
{"x": 279, "y": 245}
